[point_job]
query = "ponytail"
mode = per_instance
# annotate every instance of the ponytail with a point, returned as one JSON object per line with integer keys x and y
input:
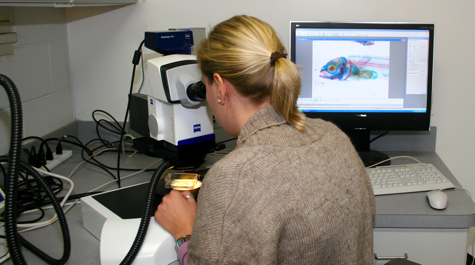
{"x": 249, "y": 54}
{"x": 285, "y": 91}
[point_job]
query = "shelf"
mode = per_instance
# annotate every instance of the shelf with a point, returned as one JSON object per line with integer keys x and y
{"x": 65, "y": 3}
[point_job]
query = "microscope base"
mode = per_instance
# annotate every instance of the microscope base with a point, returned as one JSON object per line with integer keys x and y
{"x": 113, "y": 217}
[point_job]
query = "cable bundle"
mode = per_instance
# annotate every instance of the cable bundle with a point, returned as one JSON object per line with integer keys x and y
{"x": 11, "y": 186}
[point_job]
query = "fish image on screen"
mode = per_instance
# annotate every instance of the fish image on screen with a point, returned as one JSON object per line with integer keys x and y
{"x": 336, "y": 63}
{"x": 355, "y": 68}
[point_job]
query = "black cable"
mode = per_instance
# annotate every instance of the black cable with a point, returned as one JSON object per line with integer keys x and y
{"x": 116, "y": 131}
{"x": 42, "y": 142}
{"x": 11, "y": 231}
{"x": 89, "y": 152}
{"x": 105, "y": 142}
{"x": 11, "y": 181}
{"x": 147, "y": 212}
{"x": 39, "y": 253}
{"x": 28, "y": 191}
{"x": 381, "y": 135}
{"x": 34, "y": 220}
{"x": 36, "y": 160}
{"x": 75, "y": 138}
{"x": 4, "y": 172}
{"x": 135, "y": 61}
{"x": 84, "y": 147}
{"x": 143, "y": 74}
{"x": 59, "y": 213}
{"x": 118, "y": 127}
{"x": 226, "y": 141}
{"x": 113, "y": 168}
{"x": 70, "y": 198}
{"x": 32, "y": 137}
{"x": 32, "y": 158}
{"x": 55, "y": 184}
{"x": 92, "y": 160}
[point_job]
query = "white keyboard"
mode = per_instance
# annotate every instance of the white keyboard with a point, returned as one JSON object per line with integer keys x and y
{"x": 406, "y": 178}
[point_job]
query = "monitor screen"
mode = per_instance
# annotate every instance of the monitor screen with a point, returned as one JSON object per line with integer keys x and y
{"x": 365, "y": 76}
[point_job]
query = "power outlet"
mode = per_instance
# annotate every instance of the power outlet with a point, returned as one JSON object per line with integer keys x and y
{"x": 58, "y": 159}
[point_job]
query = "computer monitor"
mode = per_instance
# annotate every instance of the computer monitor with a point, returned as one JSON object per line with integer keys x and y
{"x": 365, "y": 76}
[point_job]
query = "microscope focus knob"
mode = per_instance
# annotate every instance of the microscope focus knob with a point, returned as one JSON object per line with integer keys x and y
{"x": 154, "y": 126}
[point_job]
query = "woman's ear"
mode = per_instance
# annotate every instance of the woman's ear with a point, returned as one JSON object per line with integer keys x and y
{"x": 222, "y": 88}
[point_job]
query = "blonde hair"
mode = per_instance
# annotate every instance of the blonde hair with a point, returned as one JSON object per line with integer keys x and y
{"x": 240, "y": 49}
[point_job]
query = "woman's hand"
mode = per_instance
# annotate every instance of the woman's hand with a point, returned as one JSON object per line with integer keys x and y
{"x": 176, "y": 214}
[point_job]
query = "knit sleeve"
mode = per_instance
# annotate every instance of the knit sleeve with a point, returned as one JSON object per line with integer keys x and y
{"x": 182, "y": 253}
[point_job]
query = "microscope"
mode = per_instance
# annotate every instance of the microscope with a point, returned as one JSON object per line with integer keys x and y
{"x": 173, "y": 123}
{"x": 179, "y": 125}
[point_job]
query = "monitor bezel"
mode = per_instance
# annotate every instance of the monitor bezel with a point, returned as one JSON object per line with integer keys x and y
{"x": 349, "y": 121}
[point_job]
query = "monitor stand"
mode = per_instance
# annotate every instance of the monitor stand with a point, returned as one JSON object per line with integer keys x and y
{"x": 361, "y": 141}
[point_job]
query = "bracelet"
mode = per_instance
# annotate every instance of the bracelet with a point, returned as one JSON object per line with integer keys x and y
{"x": 181, "y": 241}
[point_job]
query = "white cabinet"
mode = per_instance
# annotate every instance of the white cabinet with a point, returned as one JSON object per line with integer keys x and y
{"x": 424, "y": 246}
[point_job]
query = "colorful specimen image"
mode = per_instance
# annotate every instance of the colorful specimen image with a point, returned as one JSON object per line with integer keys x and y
{"x": 360, "y": 69}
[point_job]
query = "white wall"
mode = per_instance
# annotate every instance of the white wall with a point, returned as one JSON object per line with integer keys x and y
{"x": 39, "y": 67}
{"x": 102, "y": 41}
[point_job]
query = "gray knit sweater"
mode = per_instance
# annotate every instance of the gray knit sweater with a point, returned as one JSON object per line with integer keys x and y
{"x": 285, "y": 197}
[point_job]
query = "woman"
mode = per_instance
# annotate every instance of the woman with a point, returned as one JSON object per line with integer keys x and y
{"x": 294, "y": 191}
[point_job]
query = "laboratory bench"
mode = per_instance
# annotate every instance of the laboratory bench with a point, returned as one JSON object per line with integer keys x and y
{"x": 404, "y": 224}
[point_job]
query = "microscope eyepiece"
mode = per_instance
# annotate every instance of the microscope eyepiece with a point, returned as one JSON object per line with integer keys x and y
{"x": 196, "y": 91}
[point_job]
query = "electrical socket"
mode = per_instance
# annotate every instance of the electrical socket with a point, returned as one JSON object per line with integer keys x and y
{"x": 58, "y": 159}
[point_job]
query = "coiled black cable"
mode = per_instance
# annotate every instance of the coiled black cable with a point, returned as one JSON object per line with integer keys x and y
{"x": 60, "y": 214}
{"x": 14, "y": 164}
{"x": 147, "y": 212}
{"x": 14, "y": 167}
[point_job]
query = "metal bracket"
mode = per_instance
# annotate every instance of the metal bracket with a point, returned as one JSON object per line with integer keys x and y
{"x": 389, "y": 258}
